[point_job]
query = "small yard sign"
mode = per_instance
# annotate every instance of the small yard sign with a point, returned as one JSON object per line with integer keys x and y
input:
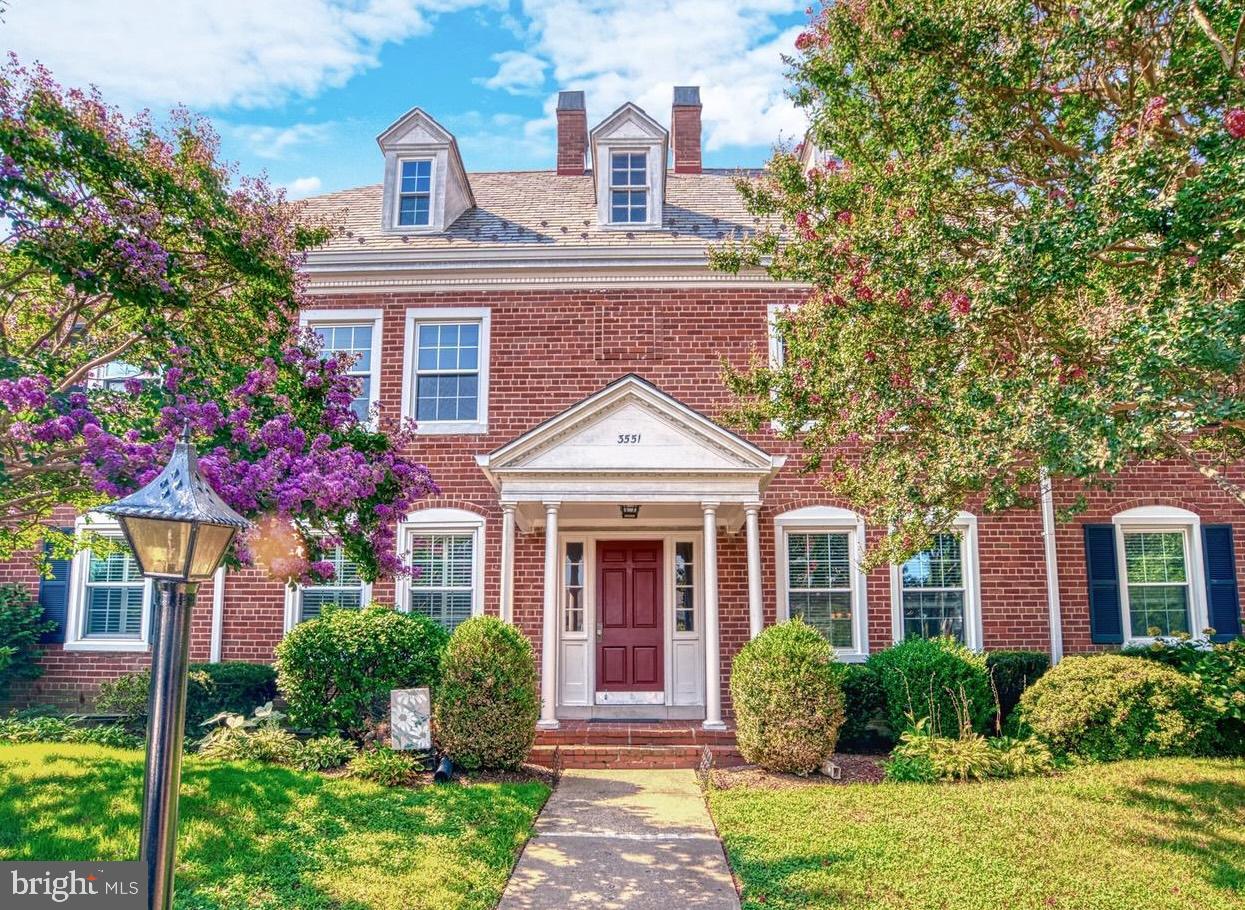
{"x": 410, "y": 716}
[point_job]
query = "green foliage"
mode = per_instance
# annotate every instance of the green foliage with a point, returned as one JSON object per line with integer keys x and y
{"x": 788, "y": 698}
{"x": 1011, "y": 672}
{"x": 50, "y": 729}
{"x": 1028, "y": 252}
{"x": 267, "y": 743}
{"x": 384, "y": 766}
{"x": 336, "y": 671}
{"x": 21, "y": 624}
{"x": 936, "y": 678}
{"x": 487, "y": 703}
{"x": 1220, "y": 671}
{"x": 863, "y": 704}
{"x": 233, "y": 686}
{"x": 323, "y": 753}
{"x": 1107, "y": 707}
{"x": 921, "y": 757}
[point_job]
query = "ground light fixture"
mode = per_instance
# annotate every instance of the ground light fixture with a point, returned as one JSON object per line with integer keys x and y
{"x": 179, "y": 531}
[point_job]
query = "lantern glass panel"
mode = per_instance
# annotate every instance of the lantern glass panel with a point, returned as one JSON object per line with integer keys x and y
{"x": 162, "y": 548}
{"x": 210, "y": 547}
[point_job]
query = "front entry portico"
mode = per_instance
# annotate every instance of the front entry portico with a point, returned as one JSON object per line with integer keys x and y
{"x": 630, "y": 488}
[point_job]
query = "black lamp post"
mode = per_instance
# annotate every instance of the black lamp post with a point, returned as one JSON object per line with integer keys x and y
{"x": 179, "y": 531}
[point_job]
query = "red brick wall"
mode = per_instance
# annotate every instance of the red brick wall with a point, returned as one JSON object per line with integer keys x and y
{"x": 550, "y": 349}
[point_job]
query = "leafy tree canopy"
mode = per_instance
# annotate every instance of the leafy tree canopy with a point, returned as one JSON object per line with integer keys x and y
{"x": 144, "y": 287}
{"x": 1025, "y": 250}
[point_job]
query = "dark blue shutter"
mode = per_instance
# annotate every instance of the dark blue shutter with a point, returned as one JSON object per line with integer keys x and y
{"x": 54, "y": 597}
{"x": 1223, "y": 599}
{"x": 1106, "y": 624}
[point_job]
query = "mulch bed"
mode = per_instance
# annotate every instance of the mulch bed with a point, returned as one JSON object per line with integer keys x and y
{"x": 855, "y": 769}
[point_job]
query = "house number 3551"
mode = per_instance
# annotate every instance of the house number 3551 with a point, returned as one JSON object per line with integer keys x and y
{"x": 628, "y": 439}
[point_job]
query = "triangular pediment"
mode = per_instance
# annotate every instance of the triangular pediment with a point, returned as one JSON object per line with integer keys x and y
{"x": 629, "y": 426}
{"x": 414, "y": 128}
{"x": 628, "y": 123}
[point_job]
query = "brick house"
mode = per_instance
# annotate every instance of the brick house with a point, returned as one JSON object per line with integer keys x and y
{"x": 558, "y": 338}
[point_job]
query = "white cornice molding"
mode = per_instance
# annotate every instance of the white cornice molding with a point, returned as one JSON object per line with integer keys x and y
{"x": 328, "y": 286}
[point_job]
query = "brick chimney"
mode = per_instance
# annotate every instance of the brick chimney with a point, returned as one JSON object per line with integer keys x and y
{"x": 685, "y": 129}
{"x": 572, "y": 134}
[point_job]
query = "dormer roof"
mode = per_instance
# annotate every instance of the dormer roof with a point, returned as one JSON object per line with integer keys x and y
{"x": 416, "y": 136}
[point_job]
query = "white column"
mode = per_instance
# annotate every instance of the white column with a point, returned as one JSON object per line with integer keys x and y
{"x": 549, "y": 638}
{"x": 713, "y": 652}
{"x": 507, "y": 562}
{"x": 756, "y": 619}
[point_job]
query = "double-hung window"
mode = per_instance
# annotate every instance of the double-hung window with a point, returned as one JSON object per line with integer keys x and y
{"x": 110, "y": 600}
{"x": 415, "y": 192}
{"x": 447, "y": 358}
{"x": 443, "y": 583}
{"x": 355, "y": 340}
{"x": 1156, "y": 564}
{"x": 345, "y": 589}
{"x": 629, "y": 187}
{"x": 820, "y": 577}
{"x": 933, "y": 590}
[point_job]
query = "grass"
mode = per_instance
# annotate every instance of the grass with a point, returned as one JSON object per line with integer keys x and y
{"x": 260, "y": 836}
{"x": 1146, "y": 835}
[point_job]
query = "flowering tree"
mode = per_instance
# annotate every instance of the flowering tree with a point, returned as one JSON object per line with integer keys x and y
{"x": 1025, "y": 250}
{"x": 131, "y": 253}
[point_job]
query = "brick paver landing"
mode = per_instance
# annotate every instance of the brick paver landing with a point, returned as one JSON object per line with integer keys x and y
{"x": 623, "y": 839}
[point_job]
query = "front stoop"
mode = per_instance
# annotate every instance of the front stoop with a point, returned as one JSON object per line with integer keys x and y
{"x": 669, "y": 745}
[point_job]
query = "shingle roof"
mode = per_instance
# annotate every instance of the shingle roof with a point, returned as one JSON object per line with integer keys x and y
{"x": 530, "y": 209}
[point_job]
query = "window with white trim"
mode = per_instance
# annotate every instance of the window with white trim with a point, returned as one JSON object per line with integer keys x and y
{"x": 573, "y": 587}
{"x": 353, "y": 340}
{"x": 1156, "y": 564}
{"x": 629, "y": 187}
{"x": 346, "y": 589}
{"x": 933, "y": 590}
{"x": 447, "y": 351}
{"x": 820, "y": 578}
{"x": 443, "y": 583}
{"x": 110, "y": 599}
{"x": 684, "y": 586}
{"x": 415, "y": 192}
{"x": 117, "y": 375}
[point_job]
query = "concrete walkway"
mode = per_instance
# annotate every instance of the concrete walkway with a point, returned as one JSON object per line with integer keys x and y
{"x": 623, "y": 839}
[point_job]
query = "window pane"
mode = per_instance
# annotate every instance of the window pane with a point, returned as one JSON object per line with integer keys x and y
{"x": 117, "y": 567}
{"x": 115, "y": 610}
{"x": 416, "y": 176}
{"x": 828, "y": 612}
{"x": 574, "y": 591}
{"x": 684, "y": 587}
{"x": 1161, "y": 607}
{"x": 1155, "y": 556}
{"x": 345, "y": 589}
{"x": 930, "y": 614}
{"x": 938, "y": 567}
{"x": 818, "y": 561}
{"x": 448, "y": 608}
{"x": 413, "y": 210}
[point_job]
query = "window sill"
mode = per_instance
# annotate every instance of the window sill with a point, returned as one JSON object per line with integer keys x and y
{"x": 450, "y": 428}
{"x": 850, "y": 657}
{"x": 114, "y": 645}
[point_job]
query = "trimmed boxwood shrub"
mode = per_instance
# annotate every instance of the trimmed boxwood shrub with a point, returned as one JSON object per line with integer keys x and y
{"x": 235, "y": 687}
{"x": 1108, "y": 706}
{"x": 788, "y": 698}
{"x": 1011, "y": 672}
{"x": 863, "y": 701}
{"x": 486, "y": 706}
{"x": 21, "y": 624}
{"x": 934, "y": 678}
{"x": 335, "y": 671}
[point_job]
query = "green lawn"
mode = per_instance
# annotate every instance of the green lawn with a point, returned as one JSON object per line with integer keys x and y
{"x": 1128, "y": 836}
{"x": 261, "y": 836}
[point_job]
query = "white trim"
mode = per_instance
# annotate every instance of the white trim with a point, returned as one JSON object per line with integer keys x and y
{"x": 646, "y": 188}
{"x": 443, "y": 521}
{"x": 218, "y": 614}
{"x": 75, "y": 618}
{"x": 1163, "y": 519}
{"x": 965, "y": 525}
{"x": 422, "y": 316}
{"x": 334, "y": 316}
{"x": 828, "y": 519}
{"x": 431, "y": 225}
{"x": 1051, "y": 553}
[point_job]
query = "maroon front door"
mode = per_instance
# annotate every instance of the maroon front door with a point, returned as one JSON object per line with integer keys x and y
{"x": 629, "y": 629}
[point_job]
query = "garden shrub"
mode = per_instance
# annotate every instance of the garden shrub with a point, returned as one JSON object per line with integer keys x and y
{"x": 235, "y": 687}
{"x": 384, "y": 766}
{"x": 863, "y": 701}
{"x": 788, "y": 698}
{"x": 1011, "y": 672}
{"x": 21, "y": 624}
{"x": 49, "y": 729}
{"x": 335, "y": 671}
{"x": 268, "y": 743}
{"x": 923, "y": 757}
{"x": 323, "y": 753}
{"x": 1220, "y": 670}
{"x": 935, "y": 678}
{"x": 486, "y": 705}
{"x": 1109, "y": 706}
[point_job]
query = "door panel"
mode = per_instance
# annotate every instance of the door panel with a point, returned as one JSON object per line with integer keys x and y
{"x": 631, "y": 632}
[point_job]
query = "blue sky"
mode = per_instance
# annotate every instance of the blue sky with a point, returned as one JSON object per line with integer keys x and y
{"x": 301, "y": 88}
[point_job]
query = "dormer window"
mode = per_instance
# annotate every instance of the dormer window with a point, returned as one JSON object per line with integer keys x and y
{"x": 415, "y": 193}
{"x": 629, "y": 188}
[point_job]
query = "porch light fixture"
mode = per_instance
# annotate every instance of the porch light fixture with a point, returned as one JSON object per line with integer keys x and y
{"x": 179, "y": 531}
{"x": 629, "y": 511}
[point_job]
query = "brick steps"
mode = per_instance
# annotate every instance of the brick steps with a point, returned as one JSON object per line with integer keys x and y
{"x": 636, "y": 757}
{"x": 579, "y": 733}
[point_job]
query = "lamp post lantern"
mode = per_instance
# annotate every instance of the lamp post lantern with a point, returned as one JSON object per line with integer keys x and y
{"x": 179, "y": 531}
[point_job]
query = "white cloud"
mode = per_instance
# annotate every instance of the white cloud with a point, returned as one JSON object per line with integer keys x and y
{"x": 275, "y": 141}
{"x": 639, "y": 50}
{"x": 212, "y": 54}
{"x": 518, "y": 73}
{"x": 302, "y": 186}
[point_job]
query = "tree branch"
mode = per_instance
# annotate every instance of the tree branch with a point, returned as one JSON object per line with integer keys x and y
{"x": 83, "y": 371}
